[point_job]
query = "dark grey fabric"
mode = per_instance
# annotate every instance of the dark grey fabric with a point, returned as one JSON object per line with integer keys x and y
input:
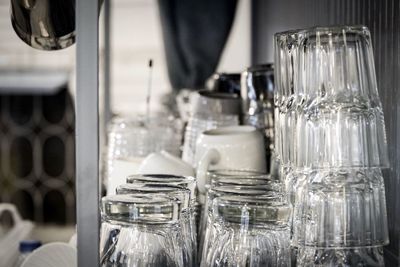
{"x": 194, "y": 33}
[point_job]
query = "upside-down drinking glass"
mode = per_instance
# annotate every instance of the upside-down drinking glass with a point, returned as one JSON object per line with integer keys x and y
{"x": 188, "y": 183}
{"x": 362, "y": 256}
{"x": 345, "y": 208}
{"x": 248, "y": 231}
{"x": 286, "y": 97}
{"x": 178, "y": 192}
{"x": 270, "y": 191}
{"x": 141, "y": 230}
{"x": 340, "y": 119}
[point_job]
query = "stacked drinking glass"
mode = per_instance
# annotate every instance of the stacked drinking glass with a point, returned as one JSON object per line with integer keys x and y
{"x": 150, "y": 223}
{"x": 246, "y": 221}
{"x": 331, "y": 144}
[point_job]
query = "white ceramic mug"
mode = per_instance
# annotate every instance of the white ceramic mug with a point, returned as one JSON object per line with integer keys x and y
{"x": 233, "y": 147}
{"x": 165, "y": 163}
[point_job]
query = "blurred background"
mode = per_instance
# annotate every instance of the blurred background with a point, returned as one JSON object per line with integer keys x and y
{"x": 37, "y": 107}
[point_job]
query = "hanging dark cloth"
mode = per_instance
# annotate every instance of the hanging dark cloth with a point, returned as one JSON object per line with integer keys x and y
{"x": 194, "y": 33}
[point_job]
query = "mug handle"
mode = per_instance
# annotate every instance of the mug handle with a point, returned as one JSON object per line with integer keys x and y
{"x": 7, "y": 207}
{"x": 211, "y": 156}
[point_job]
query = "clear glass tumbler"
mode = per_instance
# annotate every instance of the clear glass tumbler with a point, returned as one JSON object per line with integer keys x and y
{"x": 185, "y": 213}
{"x": 341, "y": 209}
{"x": 327, "y": 108}
{"x": 248, "y": 232}
{"x": 340, "y": 120}
{"x": 187, "y": 182}
{"x": 270, "y": 191}
{"x": 286, "y": 96}
{"x": 141, "y": 230}
{"x": 360, "y": 257}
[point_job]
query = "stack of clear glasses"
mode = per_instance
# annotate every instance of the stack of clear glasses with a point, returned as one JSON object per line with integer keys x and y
{"x": 331, "y": 145}
{"x": 130, "y": 140}
{"x": 150, "y": 222}
{"x": 141, "y": 230}
{"x": 246, "y": 223}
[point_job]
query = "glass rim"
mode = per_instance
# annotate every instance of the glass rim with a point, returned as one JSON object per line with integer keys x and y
{"x": 251, "y": 210}
{"x": 188, "y": 182}
{"x": 236, "y": 181}
{"x": 245, "y": 191}
{"x": 180, "y": 192}
{"x": 234, "y": 173}
{"x": 357, "y": 28}
{"x": 249, "y": 201}
{"x": 140, "y": 208}
{"x": 136, "y": 199}
{"x": 154, "y": 187}
{"x": 162, "y": 178}
{"x": 383, "y": 164}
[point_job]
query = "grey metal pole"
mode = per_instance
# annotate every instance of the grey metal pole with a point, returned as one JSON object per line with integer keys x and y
{"x": 107, "y": 62}
{"x": 87, "y": 132}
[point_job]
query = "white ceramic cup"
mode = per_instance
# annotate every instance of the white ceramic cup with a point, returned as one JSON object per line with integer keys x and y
{"x": 165, "y": 163}
{"x": 233, "y": 147}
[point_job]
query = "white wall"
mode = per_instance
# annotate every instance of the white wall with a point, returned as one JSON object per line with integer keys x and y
{"x": 136, "y": 37}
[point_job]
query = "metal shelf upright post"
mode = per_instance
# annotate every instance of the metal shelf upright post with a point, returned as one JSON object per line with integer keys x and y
{"x": 87, "y": 132}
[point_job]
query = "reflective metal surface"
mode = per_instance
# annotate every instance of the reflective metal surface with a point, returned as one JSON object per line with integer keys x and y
{"x": 44, "y": 24}
{"x": 224, "y": 83}
{"x": 257, "y": 91}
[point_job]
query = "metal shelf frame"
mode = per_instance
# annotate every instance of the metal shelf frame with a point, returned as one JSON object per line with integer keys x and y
{"x": 87, "y": 129}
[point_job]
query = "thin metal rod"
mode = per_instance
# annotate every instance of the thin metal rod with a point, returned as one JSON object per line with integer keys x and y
{"x": 107, "y": 62}
{"x": 87, "y": 132}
